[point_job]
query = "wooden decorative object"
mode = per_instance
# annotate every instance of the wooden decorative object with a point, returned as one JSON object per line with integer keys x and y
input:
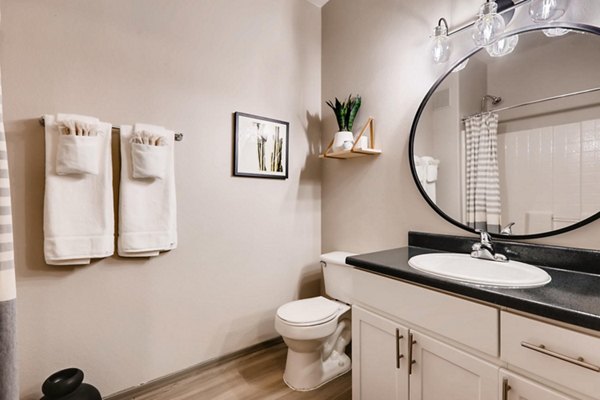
{"x": 354, "y": 152}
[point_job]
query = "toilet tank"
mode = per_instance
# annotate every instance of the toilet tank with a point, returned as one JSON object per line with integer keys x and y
{"x": 337, "y": 275}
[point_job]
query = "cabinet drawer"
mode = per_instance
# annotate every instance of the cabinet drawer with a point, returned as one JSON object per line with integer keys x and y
{"x": 463, "y": 321}
{"x": 569, "y": 358}
{"x": 522, "y": 388}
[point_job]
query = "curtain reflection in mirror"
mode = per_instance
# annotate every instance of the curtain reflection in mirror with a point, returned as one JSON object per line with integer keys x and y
{"x": 483, "y": 206}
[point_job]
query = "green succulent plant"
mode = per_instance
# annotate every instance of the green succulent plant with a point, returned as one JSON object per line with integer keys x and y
{"x": 345, "y": 112}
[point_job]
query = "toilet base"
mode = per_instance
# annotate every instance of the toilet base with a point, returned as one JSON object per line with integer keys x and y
{"x": 306, "y": 371}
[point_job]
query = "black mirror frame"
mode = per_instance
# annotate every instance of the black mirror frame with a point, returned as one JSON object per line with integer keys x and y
{"x": 411, "y": 156}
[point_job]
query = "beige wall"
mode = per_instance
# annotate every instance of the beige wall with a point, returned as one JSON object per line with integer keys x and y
{"x": 371, "y": 203}
{"x": 245, "y": 245}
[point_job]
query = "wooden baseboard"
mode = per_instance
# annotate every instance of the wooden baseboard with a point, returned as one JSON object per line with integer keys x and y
{"x": 128, "y": 394}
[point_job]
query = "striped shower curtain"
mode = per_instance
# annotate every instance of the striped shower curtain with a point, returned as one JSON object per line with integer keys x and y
{"x": 8, "y": 344}
{"x": 483, "y": 206}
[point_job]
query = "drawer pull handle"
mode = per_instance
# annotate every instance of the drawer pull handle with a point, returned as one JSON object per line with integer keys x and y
{"x": 576, "y": 361}
{"x": 411, "y": 342}
{"x": 505, "y": 389}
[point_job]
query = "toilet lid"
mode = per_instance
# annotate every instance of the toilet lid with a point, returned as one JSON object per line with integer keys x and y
{"x": 313, "y": 311}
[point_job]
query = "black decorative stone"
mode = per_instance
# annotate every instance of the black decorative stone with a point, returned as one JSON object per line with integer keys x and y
{"x": 67, "y": 385}
{"x": 572, "y": 297}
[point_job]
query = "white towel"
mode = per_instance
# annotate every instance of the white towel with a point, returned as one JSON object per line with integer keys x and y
{"x": 147, "y": 207}
{"x": 78, "y": 209}
{"x": 427, "y": 172}
{"x": 421, "y": 169}
{"x": 432, "y": 171}
{"x": 538, "y": 221}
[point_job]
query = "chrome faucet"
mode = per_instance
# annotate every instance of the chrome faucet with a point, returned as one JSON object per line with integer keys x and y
{"x": 485, "y": 249}
{"x": 507, "y": 230}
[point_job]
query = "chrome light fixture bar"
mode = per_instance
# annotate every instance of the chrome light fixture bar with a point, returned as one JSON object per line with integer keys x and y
{"x": 501, "y": 11}
{"x": 489, "y": 27}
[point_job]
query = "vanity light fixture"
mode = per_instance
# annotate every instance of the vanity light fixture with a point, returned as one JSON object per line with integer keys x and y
{"x": 547, "y": 10}
{"x": 442, "y": 46}
{"x": 489, "y": 25}
{"x": 504, "y": 46}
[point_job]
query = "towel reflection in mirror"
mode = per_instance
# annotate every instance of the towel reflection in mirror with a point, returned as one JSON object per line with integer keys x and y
{"x": 427, "y": 171}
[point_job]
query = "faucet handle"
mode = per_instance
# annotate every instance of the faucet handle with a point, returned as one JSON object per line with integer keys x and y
{"x": 507, "y": 230}
{"x": 485, "y": 237}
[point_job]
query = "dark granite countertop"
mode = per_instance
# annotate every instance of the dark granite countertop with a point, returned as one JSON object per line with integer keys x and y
{"x": 572, "y": 297}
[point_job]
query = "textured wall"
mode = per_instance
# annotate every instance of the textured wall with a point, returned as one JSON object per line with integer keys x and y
{"x": 245, "y": 245}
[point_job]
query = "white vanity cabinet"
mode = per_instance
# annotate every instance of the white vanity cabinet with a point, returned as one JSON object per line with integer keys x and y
{"x": 414, "y": 343}
{"x": 569, "y": 358}
{"x": 515, "y": 387}
{"x": 380, "y": 364}
{"x": 388, "y": 367}
{"x": 441, "y": 371}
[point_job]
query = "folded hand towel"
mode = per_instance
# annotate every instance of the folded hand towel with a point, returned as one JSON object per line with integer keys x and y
{"x": 78, "y": 208}
{"x": 427, "y": 171}
{"x": 147, "y": 207}
{"x": 78, "y": 148}
{"x": 421, "y": 169}
{"x": 150, "y": 161}
{"x": 432, "y": 170}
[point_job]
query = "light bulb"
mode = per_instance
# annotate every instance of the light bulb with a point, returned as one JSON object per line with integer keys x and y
{"x": 503, "y": 47}
{"x": 489, "y": 25}
{"x": 547, "y": 10}
{"x": 441, "y": 46}
{"x": 440, "y": 50}
{"x": 555, "y": 32}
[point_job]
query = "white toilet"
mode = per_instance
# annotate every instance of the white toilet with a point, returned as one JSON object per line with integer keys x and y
{"x": 317, "y": 330}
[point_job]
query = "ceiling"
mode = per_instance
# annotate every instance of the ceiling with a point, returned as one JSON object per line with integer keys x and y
{"x": 318, "y": 3}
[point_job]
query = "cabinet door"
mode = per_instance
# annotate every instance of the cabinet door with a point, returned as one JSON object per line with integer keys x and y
{"x": 515, "y": 387}
{"x": 440, "y": 371}
{"x": 379, "y": 370}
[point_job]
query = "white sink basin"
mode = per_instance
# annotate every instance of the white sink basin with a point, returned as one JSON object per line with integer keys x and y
{"x": 464, "y": 268}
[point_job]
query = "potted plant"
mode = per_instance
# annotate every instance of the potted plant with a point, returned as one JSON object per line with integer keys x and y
{"x": 345, "y": 113}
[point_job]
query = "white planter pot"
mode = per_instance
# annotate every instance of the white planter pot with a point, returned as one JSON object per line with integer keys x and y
{"x": 343, "y": 137}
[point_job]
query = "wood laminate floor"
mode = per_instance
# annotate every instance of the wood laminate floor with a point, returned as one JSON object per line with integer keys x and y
{"x": 256, "y": 376}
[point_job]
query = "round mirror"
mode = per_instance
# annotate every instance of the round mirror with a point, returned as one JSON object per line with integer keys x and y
{"x": 510, "y": 143}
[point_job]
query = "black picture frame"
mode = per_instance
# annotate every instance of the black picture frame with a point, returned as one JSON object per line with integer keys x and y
{"x": 260, "y": 149}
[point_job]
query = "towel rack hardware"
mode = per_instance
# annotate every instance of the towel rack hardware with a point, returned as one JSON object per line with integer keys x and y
{"x": 178, "y": 136}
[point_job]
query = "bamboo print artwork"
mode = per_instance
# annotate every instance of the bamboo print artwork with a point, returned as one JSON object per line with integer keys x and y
{"x": 276, "y": 155}
{"x": 261, "y": 147}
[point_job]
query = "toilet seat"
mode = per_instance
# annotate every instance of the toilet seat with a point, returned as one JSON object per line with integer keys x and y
{"x": 309, "y": 312}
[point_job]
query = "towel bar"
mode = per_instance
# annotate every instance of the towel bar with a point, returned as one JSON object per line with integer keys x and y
{"x": 178, "y": 136}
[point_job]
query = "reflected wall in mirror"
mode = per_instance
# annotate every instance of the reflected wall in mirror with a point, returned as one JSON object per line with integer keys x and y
{"x": 515, "y": 139}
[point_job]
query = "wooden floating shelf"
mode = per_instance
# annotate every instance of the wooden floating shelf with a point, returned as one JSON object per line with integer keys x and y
{"x": 355, "y": 152}
{"x": 352, "y": 153}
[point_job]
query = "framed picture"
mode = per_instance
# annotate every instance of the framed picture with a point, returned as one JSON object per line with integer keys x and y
{"x": 260, "y": 147}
